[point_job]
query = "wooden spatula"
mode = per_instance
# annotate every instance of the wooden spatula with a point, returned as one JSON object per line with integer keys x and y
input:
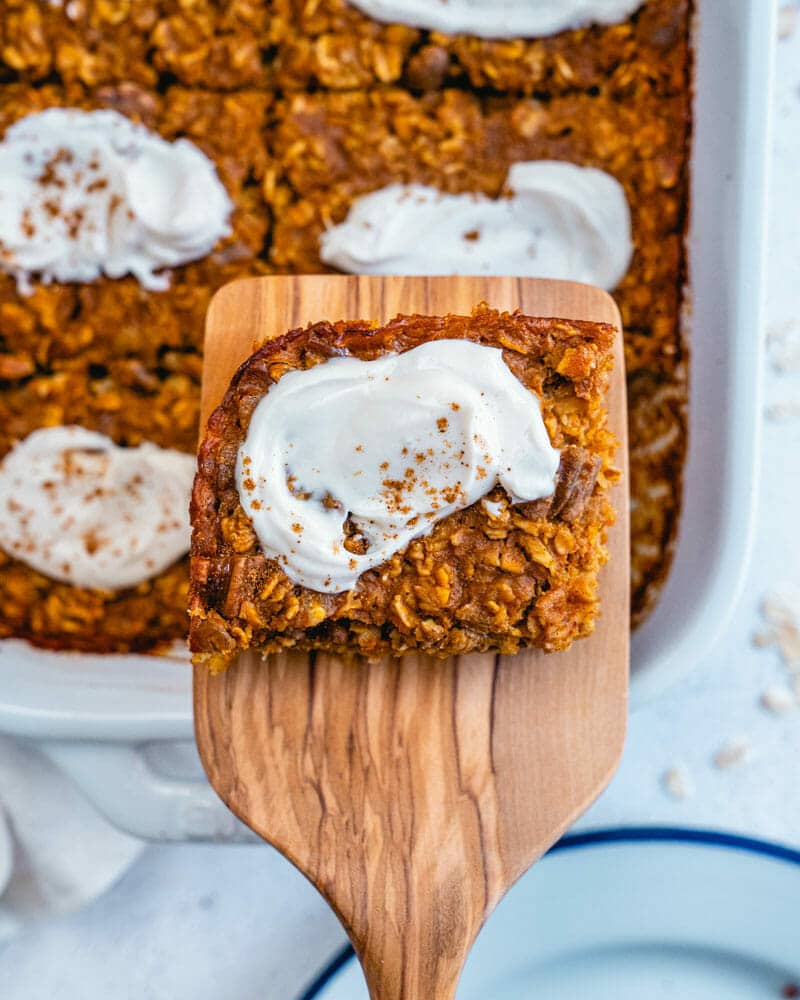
{"x": 413, "y": 793}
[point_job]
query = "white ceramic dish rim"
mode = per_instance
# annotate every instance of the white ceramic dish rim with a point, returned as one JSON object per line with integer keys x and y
{"x": 124, "y": 699}
{"x": 654, "y": 839}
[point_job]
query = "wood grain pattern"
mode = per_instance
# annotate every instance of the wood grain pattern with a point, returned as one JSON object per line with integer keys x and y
{"x": 413, "y": 793}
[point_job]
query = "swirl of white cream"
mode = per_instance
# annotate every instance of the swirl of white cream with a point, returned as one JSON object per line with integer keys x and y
{"x": 383, "y": 450}
{"x": 91, "y": 192}
{"x": 499, "y": 18}
{"x": 80, "y": 509}
{"x": 558, "y": 220}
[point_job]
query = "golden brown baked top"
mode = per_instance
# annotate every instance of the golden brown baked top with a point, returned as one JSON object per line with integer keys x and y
{"x": 330, "y": 43}
{"x": 477, "y": 581}
{"x": 95, "y": 42}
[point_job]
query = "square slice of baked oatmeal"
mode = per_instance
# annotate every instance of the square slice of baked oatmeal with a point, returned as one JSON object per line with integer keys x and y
{"x": 500, "y": 573}
{"x": 329, "y": 149}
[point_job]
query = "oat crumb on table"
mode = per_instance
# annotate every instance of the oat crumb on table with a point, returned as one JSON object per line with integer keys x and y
{"x": 788, "y": 17}
{"x": 733, "y": 753}
{"x": 782, "y": 615}
{"x": 677, "y": 783}
{"x": 778, "y": 699}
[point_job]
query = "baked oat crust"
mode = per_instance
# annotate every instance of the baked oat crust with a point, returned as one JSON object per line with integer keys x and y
{"x": 206, "y": 43}
{"x": 333, "y": 45}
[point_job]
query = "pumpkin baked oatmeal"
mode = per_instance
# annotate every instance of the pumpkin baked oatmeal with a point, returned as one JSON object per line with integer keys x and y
{"x": 457, "y": 538}
{"x": 304, "y": 107}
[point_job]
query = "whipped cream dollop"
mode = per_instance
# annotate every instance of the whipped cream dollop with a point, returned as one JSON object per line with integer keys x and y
{"x": 344, "y": 464}
{"x": 499, "y": 18}
{"x": 80, "y": 509}
{"x": 557, "y": 221}
{"x": 91, "y": 192}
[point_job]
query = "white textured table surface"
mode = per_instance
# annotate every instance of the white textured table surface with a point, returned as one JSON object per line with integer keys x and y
{"x": 201, "y": 923}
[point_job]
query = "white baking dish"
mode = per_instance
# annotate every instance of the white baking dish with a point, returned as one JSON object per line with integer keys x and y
{"x": 105, "y": 718}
